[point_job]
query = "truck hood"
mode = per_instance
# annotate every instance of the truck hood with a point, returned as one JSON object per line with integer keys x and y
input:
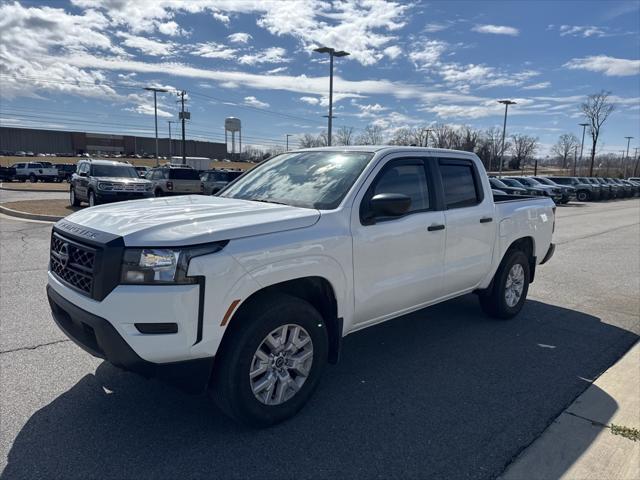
{"x": 191, "y": 219}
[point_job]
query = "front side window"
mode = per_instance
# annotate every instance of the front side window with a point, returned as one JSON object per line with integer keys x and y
{"x": 459, "y": 185}
{"x": 183, "y": 174}
{"x": 405, "y": 179}
{"x": 314, "y": 179}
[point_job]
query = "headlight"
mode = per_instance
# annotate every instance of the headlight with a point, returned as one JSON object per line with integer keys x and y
{"x": 162, "y": 265}
{"x": 105, "y": 186}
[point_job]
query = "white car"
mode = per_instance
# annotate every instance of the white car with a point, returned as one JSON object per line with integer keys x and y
{"x": 250, "y": 293}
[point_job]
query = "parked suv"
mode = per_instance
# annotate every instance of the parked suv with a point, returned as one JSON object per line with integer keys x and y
{"x": 174, "y": 180}
{"x": 567, "y": 191}
{"x": 215, "y": 180}
{"x": 101, "y": 181}
{"x": 65, "y": 171}
{"x": 584, "y": 191}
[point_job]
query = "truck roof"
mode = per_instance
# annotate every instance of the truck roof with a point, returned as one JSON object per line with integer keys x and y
{"x": 380, "y": 148}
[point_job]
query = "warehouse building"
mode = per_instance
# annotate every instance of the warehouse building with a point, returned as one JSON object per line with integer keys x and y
{"x": 73, "y": 143}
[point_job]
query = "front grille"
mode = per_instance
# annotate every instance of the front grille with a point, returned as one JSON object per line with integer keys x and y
{"x": 73, "y": 263}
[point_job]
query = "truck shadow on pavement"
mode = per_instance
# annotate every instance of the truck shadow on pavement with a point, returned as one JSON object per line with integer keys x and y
{"x": 442, "y": 393}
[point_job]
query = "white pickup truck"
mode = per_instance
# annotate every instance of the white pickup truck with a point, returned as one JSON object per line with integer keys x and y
{"x": 248, "y": 294}
{"x": 34, "y": 171}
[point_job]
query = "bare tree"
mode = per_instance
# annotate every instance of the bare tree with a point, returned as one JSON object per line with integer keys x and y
{"x": 565, "y": 147}
{"x": 524, "y": 147}
{"x": 420, "y": 136}
{"x": 469, "y": 139}
{"x": 488, "y": 148}
{"x": 372, "y": 135}
{"x": 343, "y": 136}
{"x": 310, "y": 141}
{"x": 402, "y": 136}
{"x": 596, "y": 109}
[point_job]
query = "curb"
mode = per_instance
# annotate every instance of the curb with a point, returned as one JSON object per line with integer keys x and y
{"x": 3, "y": 187}
{"x": 28, "y": 216}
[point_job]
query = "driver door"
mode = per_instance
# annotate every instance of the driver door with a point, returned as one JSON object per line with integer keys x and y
{"x": 398, "y": 261}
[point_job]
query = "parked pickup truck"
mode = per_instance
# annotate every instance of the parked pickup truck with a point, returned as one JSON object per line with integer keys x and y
{"x": 34, "y": 171}
{"x": 250, "y": 293}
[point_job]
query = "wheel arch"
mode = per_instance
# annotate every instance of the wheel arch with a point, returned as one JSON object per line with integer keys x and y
{"x": 315, "y": 290}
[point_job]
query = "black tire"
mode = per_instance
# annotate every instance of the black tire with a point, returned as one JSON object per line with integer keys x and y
{"x": 92, "y": 199}
{"x": 582, "y": 196}
{"x": 33, "y": 178}
{"x": 157, "y": 193}
{"x": 230, "y": 385}
{"x": 73, "y": 199}
{"x": 493, "y": 301}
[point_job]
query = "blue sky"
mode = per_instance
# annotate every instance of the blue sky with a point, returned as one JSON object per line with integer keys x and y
{"x": 81, "y": 64}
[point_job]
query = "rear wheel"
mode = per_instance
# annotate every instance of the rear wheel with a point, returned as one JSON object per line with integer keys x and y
{"x": 33, "y": 178}
{"x": 508, "y": 293}
{"x": 269, "y": 366}
{"x": 158, "y": 192}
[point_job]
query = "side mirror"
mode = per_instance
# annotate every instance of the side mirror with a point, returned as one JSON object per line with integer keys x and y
{"x": 388, "y": 205}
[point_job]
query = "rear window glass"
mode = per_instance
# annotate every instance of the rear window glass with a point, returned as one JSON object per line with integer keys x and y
{"x": 183, "y": 174}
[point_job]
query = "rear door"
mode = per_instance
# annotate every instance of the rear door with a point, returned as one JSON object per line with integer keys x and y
{"x": 470, "y": 225}
{"x": 397, "y": 262}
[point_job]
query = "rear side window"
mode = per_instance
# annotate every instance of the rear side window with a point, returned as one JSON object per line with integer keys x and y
{"x": 183, "y": 174}
{"x": 407, "y": 179}
{"x": 460, "y": 184}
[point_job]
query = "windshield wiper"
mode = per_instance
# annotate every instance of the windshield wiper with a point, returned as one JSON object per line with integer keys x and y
{"x": 266, "y": 200}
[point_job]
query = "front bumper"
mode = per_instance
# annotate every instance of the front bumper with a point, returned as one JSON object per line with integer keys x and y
{"x": 97, "y": 336}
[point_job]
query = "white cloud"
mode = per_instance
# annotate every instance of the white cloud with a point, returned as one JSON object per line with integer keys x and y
{"x": 270, "y": 55}
{"x": 146, "y": 45}
{"x": 239, "y": 37}
{"x": 221, "y": 17}
{"x": 273, "y": 71}
{"x": 435, "y": 27}
{"x": 610, "y": 66}
{"x": 170, "y": 28}
{"x": 392, "y": 52}
{"x": 147, "y": 109}
{"x": 213, "y": 50}
{"x": 496, "y": 30}
{"x": 581, "y": 31}
{"x": 428, "y": 53}
{"x": 537, "y": 86}
{"x": 254, "y": 102}
{"x": 362, "y": 27}
{"x": 310, "y": 100}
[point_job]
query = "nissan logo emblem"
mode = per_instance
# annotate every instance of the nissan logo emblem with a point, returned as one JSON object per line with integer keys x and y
{"x": 63, "y": 254}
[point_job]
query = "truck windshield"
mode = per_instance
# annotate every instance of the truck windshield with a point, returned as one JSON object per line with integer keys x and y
{"x": 121, "y": 171}
{"x": 302, "y": 179}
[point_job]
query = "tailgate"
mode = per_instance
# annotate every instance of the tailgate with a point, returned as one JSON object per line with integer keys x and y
{"x": 186, "y": 186}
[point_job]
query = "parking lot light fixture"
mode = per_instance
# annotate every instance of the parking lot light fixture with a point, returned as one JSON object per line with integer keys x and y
{"x": 332, "y": 53}
{"x": 506, "y": 104}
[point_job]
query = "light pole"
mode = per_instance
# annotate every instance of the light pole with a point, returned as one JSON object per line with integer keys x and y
{"x": 155, "y": 112}
{"x": 332, "y": 53}
{"x": 288, "y": 135}
{"x": 584, "y": 128}
{"x": 627, "y": 155}
{"x": 170, "y": 140}
{"x": 506, "y": 104}
{"x": 429, "y": 130}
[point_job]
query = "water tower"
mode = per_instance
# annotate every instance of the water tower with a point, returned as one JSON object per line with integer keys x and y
{"x": 232, "y": 124}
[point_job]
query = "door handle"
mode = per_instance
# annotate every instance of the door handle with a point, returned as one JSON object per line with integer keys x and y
{"x": 486, "y": 220}
{"x": 434, "y": 227}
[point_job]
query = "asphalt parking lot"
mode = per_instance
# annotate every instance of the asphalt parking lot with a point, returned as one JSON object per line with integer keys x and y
{"x": 442, "y": 393}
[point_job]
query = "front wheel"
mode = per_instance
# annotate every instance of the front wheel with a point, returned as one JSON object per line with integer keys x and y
{"x": 33, "y": 178}
{"x": 271, "y": 360}
{"x": 508, "y": 293}
{"x": 582, "y": 196}
{"x": 73, "y": 200}
{"x": 93, "y": 201}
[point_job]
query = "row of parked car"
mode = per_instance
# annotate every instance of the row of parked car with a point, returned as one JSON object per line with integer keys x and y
{"x": 564, "y": 189}
{"x": 38, "y": 172}
{"x": 101, "y": 181}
